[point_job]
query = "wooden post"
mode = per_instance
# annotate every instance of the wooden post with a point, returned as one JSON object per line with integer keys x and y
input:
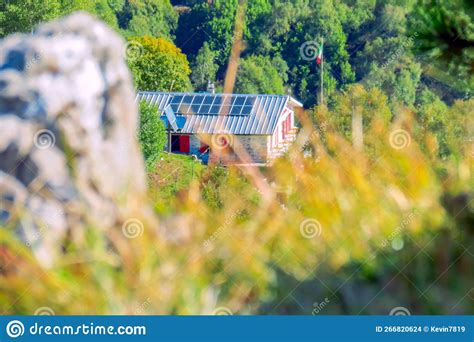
{"x": 169, "y": 137}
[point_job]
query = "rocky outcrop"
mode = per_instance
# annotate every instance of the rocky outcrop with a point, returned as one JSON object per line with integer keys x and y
{"x": 68, "y": 150}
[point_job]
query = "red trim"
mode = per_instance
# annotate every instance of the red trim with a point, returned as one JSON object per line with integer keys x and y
{"x": 203, "y": 147}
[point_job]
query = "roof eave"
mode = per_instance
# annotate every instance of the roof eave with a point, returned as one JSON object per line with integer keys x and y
{"x": 294, "y": 102}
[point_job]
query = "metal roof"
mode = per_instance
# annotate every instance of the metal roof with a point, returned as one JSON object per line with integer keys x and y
{"x": 206, "y": 113}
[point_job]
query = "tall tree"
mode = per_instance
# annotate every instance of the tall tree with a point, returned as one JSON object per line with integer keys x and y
{"x": 358, "y": 103}
{"x": 446, "y": 36}
{"x": 24, "y": 15}
{"x": 322, "y": 21}
{"x": 99, "y": 8}
{"x": 146, "y": 17}
{"x": 152, "y": 133}
{"x": 158, "y": 65}
{"x": 386, "y": 61}
{"x": 211, "y": 22}
{"x": 258, "y": 74}
{"x": 204, "y": 67}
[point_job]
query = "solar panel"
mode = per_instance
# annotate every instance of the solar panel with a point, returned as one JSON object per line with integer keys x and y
{"x": 185, "y": 108}
{"x": 204, "y": 109}
{"x": 239, "y": 100}
{"x": 195, "y": 113}
{"x": 208, "y": 100}
{"x": 188, "y": 99}
{"x": 215, "y": 108}
{"x": 227, "y": 100}
{"x": 177, "y": 99}
{"x": 196, "y": 104}
{"x": 235, "y": 110}
{"x": 175, "y": 108}
{"x": 201, "y": 104}
{"x": 250, "y": 100}
{"x": 246, "y": 110}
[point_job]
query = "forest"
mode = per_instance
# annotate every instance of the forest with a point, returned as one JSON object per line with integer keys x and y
{"x": 386, "y": 45}
{"x": 368, "y": 223}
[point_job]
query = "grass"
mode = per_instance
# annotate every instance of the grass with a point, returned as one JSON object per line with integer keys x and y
{"x": 171, "y": 174}
{"x": 351, "y": 218}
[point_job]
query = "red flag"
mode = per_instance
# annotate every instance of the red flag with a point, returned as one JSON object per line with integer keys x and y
{"x": 320, "y": 55}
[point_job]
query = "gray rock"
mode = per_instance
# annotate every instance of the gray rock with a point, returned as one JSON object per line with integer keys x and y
{"x": 68, "y": 150}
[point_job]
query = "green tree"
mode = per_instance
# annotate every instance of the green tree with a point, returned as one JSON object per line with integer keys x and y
{"x": 211, "y": 22}
{"x": 99, "y": 8}
{"x": 152, "y": 133}
{"x": 258, "y": 74}
{"x": 204, "y": 67}
{"x": 446, "y": 38}
{"x": 355, "y": 13}
{"x": 387, "y": 62}
{"x": 258, "y": 15}
{"x": 449, "y": 125}
{"x": 322, "y": 20}
{"x": 146, "y": 17}
{"x": 270, "y": 23}
{"x": 362, "y": 103}
{"x": 158, "y": 65}
{"x": 24, "y": 15}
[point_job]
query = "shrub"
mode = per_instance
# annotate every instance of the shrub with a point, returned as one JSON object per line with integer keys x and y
{"x": 152, "y": 134}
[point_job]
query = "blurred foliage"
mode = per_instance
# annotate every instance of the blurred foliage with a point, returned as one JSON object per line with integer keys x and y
{"x": 356, "y": 100}
{"x": 446, "y": 35}
{"x": 224, "y": 240}
{"x": 159, "y": 65}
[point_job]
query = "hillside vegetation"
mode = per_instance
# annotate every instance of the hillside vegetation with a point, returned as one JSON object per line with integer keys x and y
{"x": 364, "y": 219}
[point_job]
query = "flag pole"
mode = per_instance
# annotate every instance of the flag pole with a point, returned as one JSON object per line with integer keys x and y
{"x": 322, "y": 70}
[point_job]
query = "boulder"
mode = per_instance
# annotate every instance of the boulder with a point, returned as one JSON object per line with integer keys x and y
{"x": 69, "y": 156}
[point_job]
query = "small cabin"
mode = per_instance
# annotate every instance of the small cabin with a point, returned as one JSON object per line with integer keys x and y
{"x": 227, "y": 128}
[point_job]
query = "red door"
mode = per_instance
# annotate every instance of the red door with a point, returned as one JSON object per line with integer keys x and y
{"x": 184, "y": 144}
